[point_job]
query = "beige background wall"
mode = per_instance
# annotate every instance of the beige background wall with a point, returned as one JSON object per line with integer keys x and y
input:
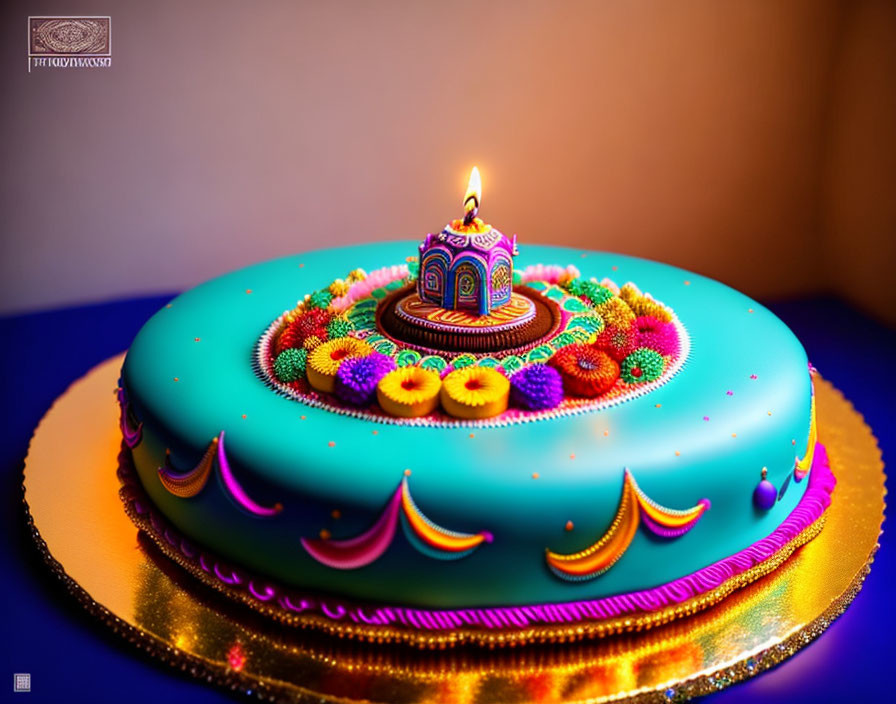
{"x": 754, "y": 141}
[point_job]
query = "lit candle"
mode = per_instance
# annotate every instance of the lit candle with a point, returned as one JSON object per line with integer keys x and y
{"x": 470, "y": 224}
{"x": 472, "y": 197}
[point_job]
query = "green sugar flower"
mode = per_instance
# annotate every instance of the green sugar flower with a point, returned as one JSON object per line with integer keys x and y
{"x": 290, "y": 365}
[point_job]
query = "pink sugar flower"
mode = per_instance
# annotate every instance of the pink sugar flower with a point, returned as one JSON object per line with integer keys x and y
{"x": 656, "y": 335}
{"x": 362, "y": 289}
{"x": 549, "y": 273}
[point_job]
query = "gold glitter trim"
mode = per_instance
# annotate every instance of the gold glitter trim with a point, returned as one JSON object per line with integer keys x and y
{"x": 165, "y": 613}
{"x": 561, "y": 633}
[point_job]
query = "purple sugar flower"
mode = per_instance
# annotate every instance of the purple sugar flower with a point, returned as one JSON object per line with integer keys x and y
{"x": 357, "y": 377}
{"x": 536, "y": 387}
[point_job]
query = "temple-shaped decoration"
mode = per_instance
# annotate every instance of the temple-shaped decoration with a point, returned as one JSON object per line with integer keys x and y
{"x": 467, "y": 271}
{"x": 468, "y": 265}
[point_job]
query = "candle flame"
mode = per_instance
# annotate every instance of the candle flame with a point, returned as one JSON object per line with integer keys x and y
{"x": 472, "y": 197}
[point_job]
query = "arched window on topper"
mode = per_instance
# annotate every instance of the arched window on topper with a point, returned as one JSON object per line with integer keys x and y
{"x": 434, "y": 276}
{"x": 469, "y": 283}
{"x": 501, "y": 280}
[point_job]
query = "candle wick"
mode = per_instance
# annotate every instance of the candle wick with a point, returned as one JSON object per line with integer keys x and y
{"x": 472, "y": 212}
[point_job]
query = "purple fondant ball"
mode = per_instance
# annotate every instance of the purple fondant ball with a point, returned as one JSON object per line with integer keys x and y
{"x": 765, "y": 495}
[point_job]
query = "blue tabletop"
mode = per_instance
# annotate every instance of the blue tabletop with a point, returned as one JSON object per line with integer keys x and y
{"x": 70, "y": 657}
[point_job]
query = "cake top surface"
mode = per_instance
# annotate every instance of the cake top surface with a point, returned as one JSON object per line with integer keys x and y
{"x": 190, "y": 361}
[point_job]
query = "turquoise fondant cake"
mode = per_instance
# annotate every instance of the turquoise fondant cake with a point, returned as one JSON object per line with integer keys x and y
{"x": 470, "y": 441}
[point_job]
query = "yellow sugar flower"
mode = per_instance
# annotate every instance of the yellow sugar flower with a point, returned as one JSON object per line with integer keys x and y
{"x": 311, "y": 342}
{"x": 648, "y": 306}
{"x": 643, "y": 304}
{"x": 615, "y": 312}
{"x": 339, "y": 287}
{"x": 409, "y": 392}
{"x": 324, "y": 360}
{"x": 475, "y": 392}
{"x": 630, "y": 293}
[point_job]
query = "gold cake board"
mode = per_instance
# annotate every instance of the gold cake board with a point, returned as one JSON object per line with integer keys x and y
{"x": 83, "y": 533}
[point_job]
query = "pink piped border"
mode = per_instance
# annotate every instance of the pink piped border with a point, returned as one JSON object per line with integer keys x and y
{"x": 810, "y": 508}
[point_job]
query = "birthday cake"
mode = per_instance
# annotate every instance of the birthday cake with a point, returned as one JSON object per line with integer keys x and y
{"x": 467, "y": 440}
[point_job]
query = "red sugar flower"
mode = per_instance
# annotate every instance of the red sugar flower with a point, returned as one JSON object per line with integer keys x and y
{"x": 312, "y": 322}
{"x": 586, "y": 370}
{"x": 618, "y": 342}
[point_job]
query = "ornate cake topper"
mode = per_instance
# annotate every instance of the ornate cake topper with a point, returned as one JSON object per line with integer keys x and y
{"x": 469, "y": 264}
